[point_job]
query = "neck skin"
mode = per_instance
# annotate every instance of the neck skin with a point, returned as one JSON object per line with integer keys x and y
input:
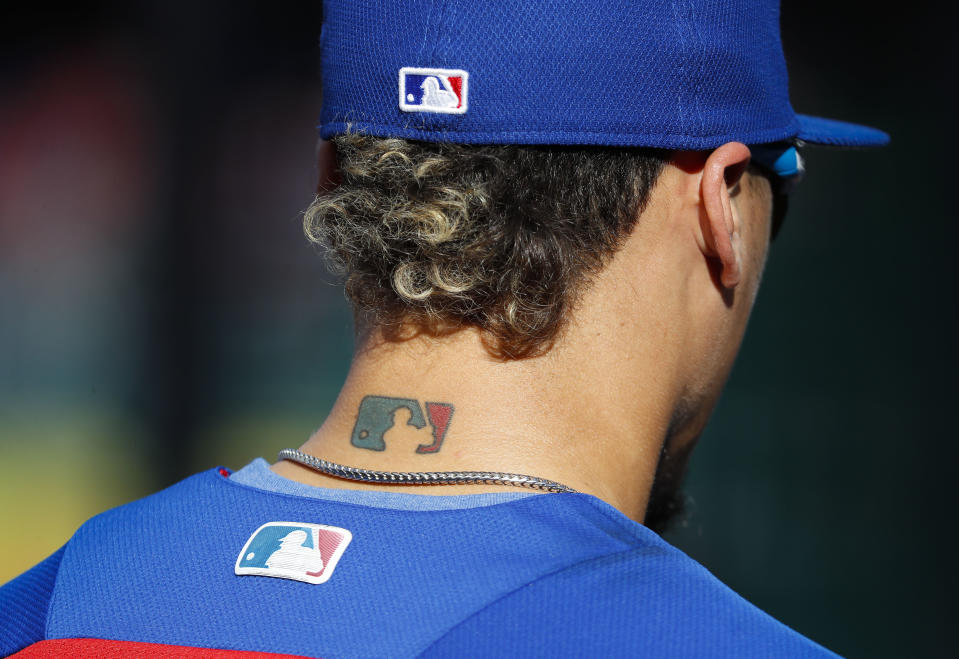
{"x": 593, "y": 412}
{"x": 533, "y": 417}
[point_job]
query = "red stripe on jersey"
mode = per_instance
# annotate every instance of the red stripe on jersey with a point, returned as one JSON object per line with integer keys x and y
{"x": 96, "y": 648}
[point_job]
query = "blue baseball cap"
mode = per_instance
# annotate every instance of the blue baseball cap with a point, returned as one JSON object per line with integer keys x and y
{"x": 691, "y": 75}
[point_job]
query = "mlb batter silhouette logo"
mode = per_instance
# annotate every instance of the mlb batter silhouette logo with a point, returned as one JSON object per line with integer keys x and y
{"x": 380, "y": 415}
{"x": 433, "y": 90}
{"x": 292, "y": 550}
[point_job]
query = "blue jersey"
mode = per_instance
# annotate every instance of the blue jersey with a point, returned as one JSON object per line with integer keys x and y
{"x": 214, "y": 566}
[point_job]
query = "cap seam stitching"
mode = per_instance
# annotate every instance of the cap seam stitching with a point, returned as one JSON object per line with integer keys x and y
{"x": 790, "y": 129}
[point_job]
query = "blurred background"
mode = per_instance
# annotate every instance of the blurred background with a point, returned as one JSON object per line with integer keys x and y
{"x": 161, "y": 313}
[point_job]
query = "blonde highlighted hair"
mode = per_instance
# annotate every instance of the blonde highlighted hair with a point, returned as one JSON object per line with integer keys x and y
{"x": 437, "y": 236}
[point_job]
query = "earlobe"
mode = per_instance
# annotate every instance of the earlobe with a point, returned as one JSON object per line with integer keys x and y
{"x": 721, "y": 234}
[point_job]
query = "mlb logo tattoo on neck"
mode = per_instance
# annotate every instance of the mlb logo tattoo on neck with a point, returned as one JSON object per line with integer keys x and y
{"x": 380, "y": 414}
{"x": 293, "y": 550}
{"x": 433, "y": 90}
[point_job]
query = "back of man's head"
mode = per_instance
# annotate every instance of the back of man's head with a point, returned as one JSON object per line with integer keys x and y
{"x": 434, "y": 236}
{"x": 493, "y": 157}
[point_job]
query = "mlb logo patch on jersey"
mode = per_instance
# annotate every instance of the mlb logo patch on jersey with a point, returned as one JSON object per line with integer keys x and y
{"x": 433, "y": 90}
{"x": 293, "y": 550}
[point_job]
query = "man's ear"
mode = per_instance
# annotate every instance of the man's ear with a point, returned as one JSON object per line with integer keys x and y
{"x": 722, "y": 239}
{"x": 328, "y": 173}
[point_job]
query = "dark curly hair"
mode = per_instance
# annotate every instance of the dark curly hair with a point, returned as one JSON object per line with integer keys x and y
{"x": 438, "y": 236}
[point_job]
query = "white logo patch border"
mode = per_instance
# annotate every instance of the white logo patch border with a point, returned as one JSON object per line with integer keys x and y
{"x": 294, "y": 576}
{"x": 446, "y": 73}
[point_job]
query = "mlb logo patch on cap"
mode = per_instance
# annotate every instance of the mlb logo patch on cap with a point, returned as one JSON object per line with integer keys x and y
{"x": 433, "y": 90}
{"x": 293, "y": 550}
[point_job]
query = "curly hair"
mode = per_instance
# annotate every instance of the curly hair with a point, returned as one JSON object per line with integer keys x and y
{"x": 438, "y": 236}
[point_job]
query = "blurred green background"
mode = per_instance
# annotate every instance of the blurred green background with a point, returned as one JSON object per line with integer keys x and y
{"x": 161, "y": 313}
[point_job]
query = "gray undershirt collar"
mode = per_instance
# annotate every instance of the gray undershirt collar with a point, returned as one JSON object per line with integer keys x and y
{"x": 259, "y": 475}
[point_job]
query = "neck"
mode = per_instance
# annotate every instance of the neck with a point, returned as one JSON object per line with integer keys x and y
{"x": 574, "y": 417}
{"x": 636, "y": 367}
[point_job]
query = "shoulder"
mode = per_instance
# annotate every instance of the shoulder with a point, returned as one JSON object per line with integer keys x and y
{"x": 24, "y": 603}
{"x": 649, "y": 601}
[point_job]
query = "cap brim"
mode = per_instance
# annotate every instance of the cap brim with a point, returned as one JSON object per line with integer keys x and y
{"x": 817, "y": 130}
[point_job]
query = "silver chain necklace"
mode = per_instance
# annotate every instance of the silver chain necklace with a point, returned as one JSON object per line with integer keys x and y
{"x": 421, "y": 477}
